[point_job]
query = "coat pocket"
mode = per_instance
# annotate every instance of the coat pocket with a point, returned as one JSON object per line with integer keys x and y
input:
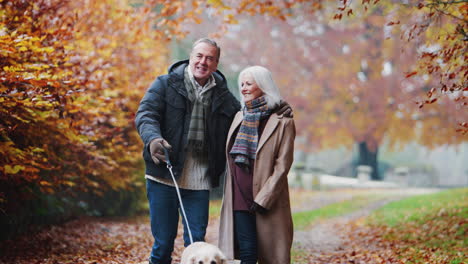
{"x": 176, "y": 102}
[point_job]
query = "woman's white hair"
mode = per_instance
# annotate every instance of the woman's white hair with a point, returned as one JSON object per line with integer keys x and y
{"x": 264, "y": 80}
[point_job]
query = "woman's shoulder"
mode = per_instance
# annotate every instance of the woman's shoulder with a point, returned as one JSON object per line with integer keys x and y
{"x": 282, "y": 118}
{"x": 285, "y": 121}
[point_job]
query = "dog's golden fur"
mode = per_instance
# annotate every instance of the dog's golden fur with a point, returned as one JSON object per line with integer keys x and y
{"x": 202, "y": 253}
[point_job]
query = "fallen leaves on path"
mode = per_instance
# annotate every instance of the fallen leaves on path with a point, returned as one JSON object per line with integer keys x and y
{"x": 86, "y": 241}
{"x": 83, "y": 241}
{"x": 440, "y": 239}
{"x": 92, "y": 240}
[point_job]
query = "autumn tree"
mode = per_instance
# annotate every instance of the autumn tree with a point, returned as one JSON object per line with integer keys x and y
{"x": 36, "y": 86}
{"x": 72, "y": 74}
{"x": 440, "y": 29}
{"x": 334, "y": 77}
{"x": 347, "y": 78}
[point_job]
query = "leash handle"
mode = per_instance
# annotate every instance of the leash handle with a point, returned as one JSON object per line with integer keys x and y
{"x": 166, "y": 153}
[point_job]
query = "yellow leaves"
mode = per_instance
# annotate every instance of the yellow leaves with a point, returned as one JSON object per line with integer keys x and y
{"x": 215, "y": 3}
{"x": 94, "y": 184}
{"x": 36, "y": 67}
{"x": 68, "y": 47}
{"x": 46, "y": 104}
{"x": 45, "y": 183}
{"x": 68, "y": 183}
{"x": 230, "y": 19}
{"x": 12, "y": 170}
{"x": 38, "y": 150}
{"x": 197, "y": 19}
{"x": 170, "y": 10}
{"x": 12, "y": 68}
{"x": 106, "y": 53}
{"x": 219, "y": 4}
{"x": 46, "y": 49}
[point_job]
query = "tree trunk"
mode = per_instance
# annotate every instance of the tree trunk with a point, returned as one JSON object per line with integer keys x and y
{"x": 368, "y": 158}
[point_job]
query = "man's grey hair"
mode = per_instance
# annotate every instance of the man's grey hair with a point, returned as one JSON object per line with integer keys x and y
{"x": 265, "y": 82}
{"x": 210, "y": 42}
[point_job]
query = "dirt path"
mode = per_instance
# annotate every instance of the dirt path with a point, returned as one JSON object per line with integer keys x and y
{"x": 326, "y": 236}
{"x": 329, "y": 236}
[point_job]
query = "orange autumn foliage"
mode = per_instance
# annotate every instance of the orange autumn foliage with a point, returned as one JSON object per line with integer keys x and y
{"x": 438, "y": 28}
{"x": 72, "y": 74}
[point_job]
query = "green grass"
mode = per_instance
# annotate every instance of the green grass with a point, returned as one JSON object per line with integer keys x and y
{"x": 215, "y": 208}
{"x": 418, "y": 207}
{"x": 429, "y": 228}
{"x": 304, "y": 219}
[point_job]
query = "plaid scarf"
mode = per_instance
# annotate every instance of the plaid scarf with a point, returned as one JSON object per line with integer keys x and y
{"x": 245, "y": 145}
{"x": 200, "y": 97}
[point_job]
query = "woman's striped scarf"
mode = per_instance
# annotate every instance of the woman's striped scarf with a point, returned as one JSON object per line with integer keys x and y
{"x": 245, "y": 145}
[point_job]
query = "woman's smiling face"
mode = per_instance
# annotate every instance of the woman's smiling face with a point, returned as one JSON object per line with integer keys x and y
{"x": 249, "y": 88}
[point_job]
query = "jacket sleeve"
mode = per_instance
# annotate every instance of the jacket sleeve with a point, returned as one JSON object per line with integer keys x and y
{"x": 273, "y": 187}
{"x": 151, "y": 111}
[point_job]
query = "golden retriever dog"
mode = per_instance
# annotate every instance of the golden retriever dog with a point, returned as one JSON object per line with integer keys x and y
{"x": 202, "y": 253}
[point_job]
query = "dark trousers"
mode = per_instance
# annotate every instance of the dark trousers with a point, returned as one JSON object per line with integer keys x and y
{"x": 164, "y": 214}
{"x": 246, "y": 236}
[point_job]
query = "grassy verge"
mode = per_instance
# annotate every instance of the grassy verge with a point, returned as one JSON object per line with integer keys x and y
{"x": 215, "y": 208}
{"x": 302, "y": 220}
{"x": 427, "y": 228}
{"x": 417, "y": 208}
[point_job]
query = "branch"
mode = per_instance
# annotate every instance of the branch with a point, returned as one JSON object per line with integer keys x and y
{"x": 450, "y": 2}
{"x": 451, "y": 15}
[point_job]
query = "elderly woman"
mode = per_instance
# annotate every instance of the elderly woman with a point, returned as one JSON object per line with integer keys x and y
{"x": 256, "y": 223}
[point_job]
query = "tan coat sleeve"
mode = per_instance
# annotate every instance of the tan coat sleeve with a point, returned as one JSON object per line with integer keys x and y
{"x": 272, "y": 188}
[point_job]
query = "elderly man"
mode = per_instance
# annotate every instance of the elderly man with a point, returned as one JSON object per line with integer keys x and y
{"x": 188, "y": 111}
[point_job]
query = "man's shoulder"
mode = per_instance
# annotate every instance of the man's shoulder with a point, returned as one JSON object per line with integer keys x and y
{"x": 162, "y": 77}
{"x": 229, "y": 98}
{"x": 166, "y": 79}
{"x": 160, "y": 81}
{"x": 219, "y": 77}
{"x": 178, "y": 67}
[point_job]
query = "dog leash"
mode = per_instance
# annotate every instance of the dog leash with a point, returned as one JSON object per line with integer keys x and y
{"x": 169, "y": 167}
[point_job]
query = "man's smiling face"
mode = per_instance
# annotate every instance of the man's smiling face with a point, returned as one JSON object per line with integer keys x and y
{"x": 203, "y": 62}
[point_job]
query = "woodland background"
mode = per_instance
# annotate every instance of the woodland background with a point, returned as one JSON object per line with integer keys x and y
{"x": 359, "y": 75}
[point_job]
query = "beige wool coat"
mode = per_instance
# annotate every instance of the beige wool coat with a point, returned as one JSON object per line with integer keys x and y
{"x": 270, "y": 190}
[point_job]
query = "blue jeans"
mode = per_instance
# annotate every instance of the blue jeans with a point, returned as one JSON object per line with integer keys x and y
{"x": 245, "y": 229}
{"x": 164, "y": 214}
